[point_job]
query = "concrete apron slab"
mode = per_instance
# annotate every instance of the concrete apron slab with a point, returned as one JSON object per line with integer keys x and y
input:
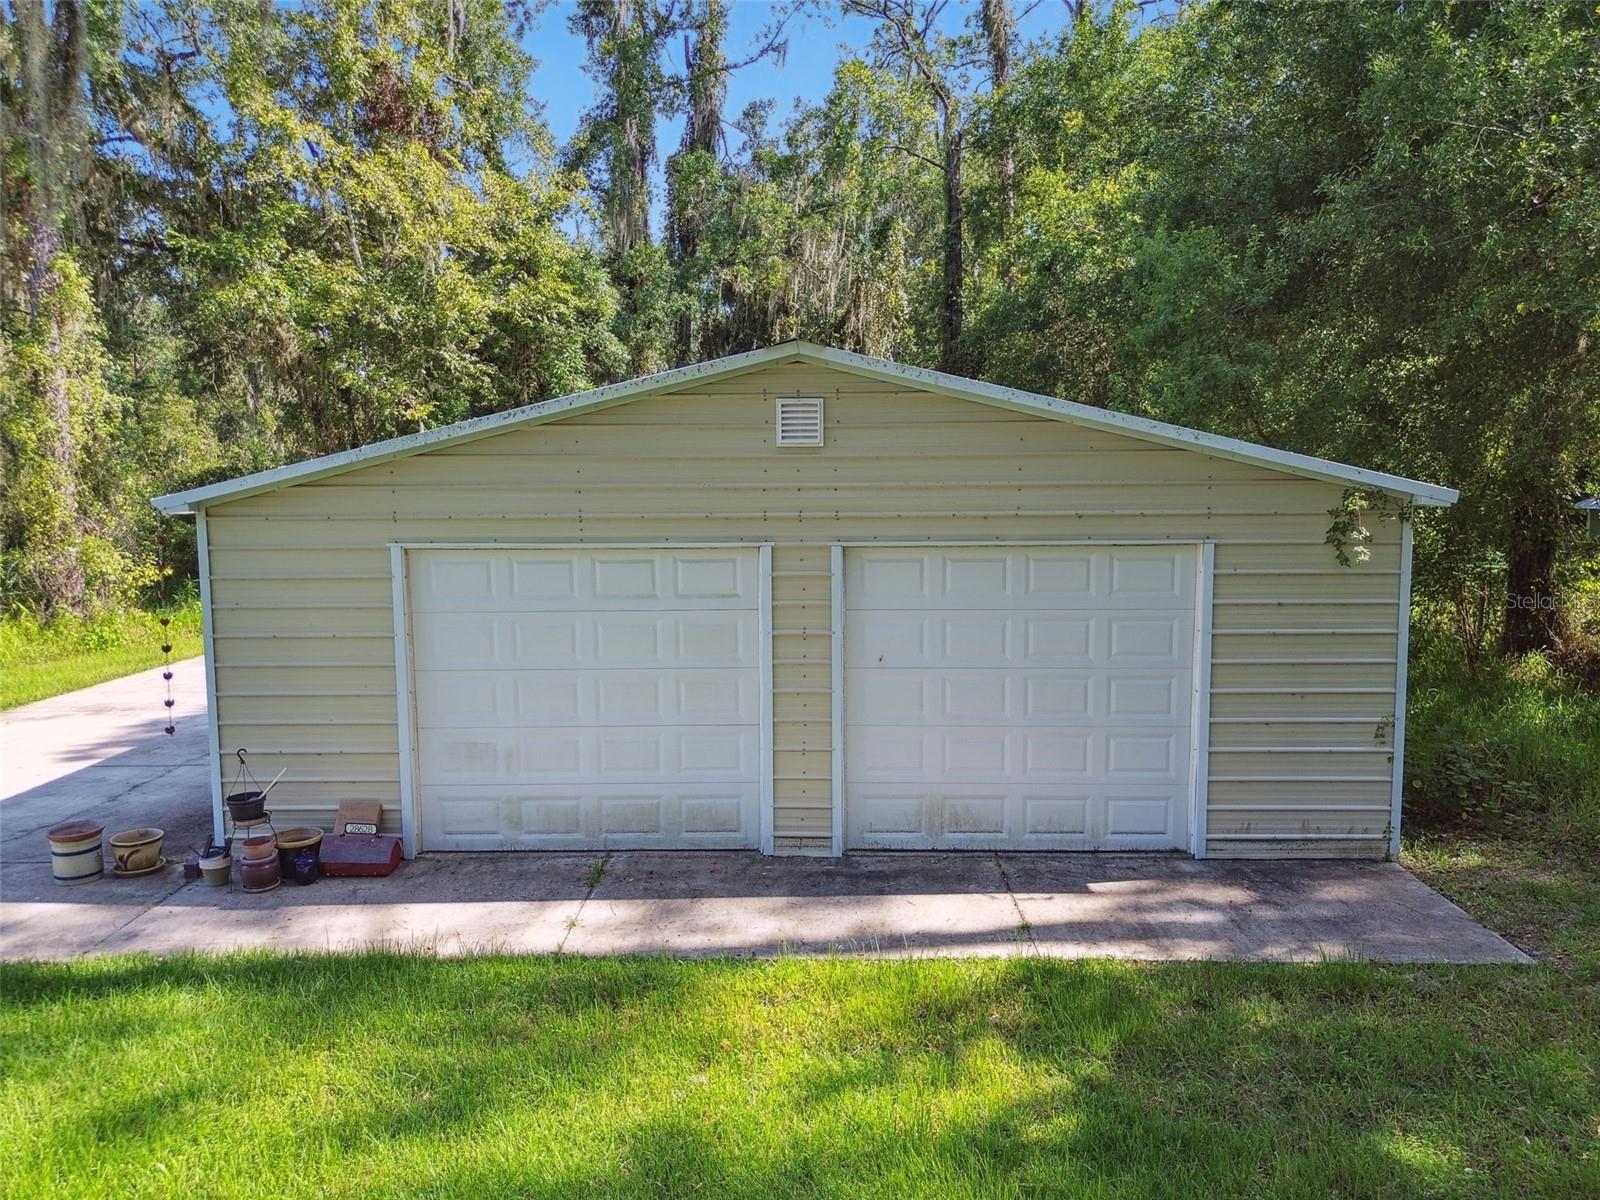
{"x": 1166, "y": 908}
{"x": 717, "y": 904}
{"x": 705, "y": 905}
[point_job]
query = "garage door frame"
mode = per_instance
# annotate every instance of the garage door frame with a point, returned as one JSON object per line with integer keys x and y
{"x": 1200, "y": 674}
{"x": 405, "y": 678}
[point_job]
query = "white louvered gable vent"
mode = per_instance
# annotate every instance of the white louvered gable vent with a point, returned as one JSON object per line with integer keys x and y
{"x": 799, "y": 421}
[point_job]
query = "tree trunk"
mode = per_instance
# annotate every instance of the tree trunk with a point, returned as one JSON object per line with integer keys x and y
{"x": 998, "y": 27}
{"x": 1533, "y": 615}
{"x": 61, "y": 581}
{"x": 52, "y": 124}
{"x": 951, "y": 311}
{"x": 704, "y": 67}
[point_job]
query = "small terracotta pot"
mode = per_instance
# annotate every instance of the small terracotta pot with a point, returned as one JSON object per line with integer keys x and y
{"x": 136, "y": 849}
{"x": 260, "y": 874}
{"x": 257, "y": 849}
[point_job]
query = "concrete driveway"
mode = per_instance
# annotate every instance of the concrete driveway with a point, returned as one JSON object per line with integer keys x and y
{"x": 100, "y": 752}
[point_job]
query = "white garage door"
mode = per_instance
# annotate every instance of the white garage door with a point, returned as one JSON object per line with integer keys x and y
{"x": 586, "y": 699}
{"x": 1024, "y": 698}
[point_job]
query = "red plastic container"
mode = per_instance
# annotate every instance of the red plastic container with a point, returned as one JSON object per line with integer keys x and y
{"x": 360, "y": 854}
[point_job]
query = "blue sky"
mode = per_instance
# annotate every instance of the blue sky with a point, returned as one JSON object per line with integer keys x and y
{"x": 816, "y": 44}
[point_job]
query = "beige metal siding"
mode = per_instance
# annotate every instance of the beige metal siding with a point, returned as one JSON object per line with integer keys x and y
{"x": 802, "y": 701}
{"x": 1303, "y": 672}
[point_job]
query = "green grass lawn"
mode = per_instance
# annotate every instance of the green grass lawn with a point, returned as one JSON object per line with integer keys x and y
{"x": 39, "y": 661}
{"x": 394, "y": 1075}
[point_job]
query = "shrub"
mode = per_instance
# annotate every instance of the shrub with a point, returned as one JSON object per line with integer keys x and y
{"x": 1511, "y": 743}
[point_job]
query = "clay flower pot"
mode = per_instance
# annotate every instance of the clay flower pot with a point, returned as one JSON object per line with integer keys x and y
{"x": 215, "y": 870}
{"x": 136, "y": 849}
{"x": 259, "y": 874}
{"x": 257, "y": 849}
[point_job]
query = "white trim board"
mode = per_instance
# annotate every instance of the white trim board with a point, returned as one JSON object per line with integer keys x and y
{"x": 404, "y": 688}
{"x": 1200, "y": 700}
{"x": 880, "y": 369}
{"x": 208, "y": 642}
{"x": 764, "y": 638}
{"x": 1402, "y": 654}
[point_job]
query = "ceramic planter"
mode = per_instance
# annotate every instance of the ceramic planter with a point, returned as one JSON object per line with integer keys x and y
{"x": 259, "y": 874}
{"x": 215, "y": 871}
{"x": 136, "y": 849}
{"x": 75, "y": 852}
{"x": 300, "y": 853}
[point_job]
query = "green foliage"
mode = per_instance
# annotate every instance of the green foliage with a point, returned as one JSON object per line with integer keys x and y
{"x": 73, "y": 504}
{"x": 1513, "y": 746}
{"x": 39, "y": 659}
{"x": 387, "y": 272}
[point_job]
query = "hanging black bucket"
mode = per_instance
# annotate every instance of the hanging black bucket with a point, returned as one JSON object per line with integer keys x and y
{"x": 246, "y": 806}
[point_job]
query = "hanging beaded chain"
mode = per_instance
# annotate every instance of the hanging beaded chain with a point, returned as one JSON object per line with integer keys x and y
{"x": 163, "y": 596}
{"x": 166, "y": 650}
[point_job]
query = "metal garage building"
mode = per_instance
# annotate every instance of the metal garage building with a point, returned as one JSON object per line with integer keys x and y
{"x": 804, "y": 601}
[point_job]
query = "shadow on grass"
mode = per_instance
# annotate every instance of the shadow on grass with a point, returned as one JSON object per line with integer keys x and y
{"x": 501, "y": 1076}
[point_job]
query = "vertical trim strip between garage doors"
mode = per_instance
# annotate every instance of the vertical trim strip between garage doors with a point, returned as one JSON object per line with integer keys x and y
{"x": 836, "y": 666}
{"x": 764, "y": 676}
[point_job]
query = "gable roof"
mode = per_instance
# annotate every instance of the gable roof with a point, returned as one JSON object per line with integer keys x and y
{"x": 880, "y": 369}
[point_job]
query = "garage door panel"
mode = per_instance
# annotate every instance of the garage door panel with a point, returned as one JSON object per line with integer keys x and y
{"x": 561, "y": 641}
{"x": 610, "y": 754}
{"x": 1147, "y": 640}
{"x": 1149, "y": 575}
{"x": 974, "y": 816}
{"x": 1018, "y": 697}
{"x": 586, "y": 699}
{"x": 1062, "y": 578}
{"x": 554, "y": 817}
{"x": 913, "y": 697}
{"x": 582, "y": 580}
{"x": 488, "y": 699}
{"x": 907, "y": 754}
{"x": 1034, "y": 640}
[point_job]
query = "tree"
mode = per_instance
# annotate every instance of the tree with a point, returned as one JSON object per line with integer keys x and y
{"x": 908, "y": 39}
{"x": 370, "y": 264}
{"x": 999, "y": 31}
{"x": 1378, "y": 221}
